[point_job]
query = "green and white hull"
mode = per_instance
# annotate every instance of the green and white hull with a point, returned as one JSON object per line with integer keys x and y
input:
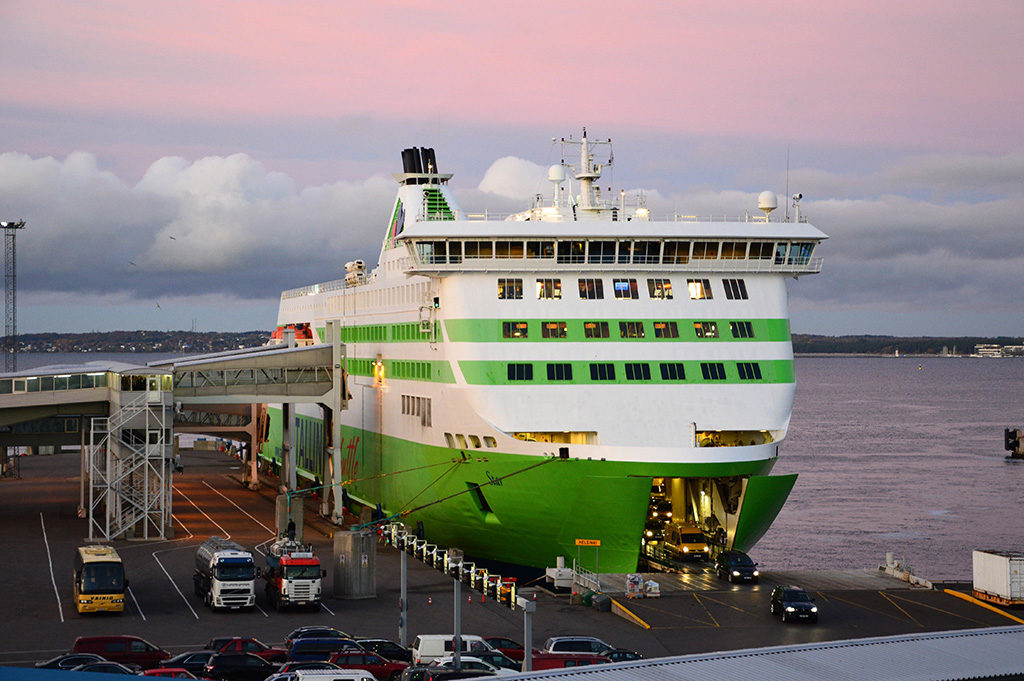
{"x": 512, "y": 420}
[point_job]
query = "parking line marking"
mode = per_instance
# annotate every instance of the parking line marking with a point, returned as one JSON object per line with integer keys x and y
{"x": 945, "y": 612}
{"x": 194, "y": 613}
{"x": 911, "y": 617}
{"x": 135, "y": 600}
{"x": 240, "y": 508}
{"x": 326, "y": 608}
{"x": 257, "y": 606}
{"x": 226, "y": 534}
{"x": 53, "y": 578}
{"x": 706, "y": 609}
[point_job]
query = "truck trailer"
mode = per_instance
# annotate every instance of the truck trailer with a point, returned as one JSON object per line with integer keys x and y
{"x": 225, "y": 575}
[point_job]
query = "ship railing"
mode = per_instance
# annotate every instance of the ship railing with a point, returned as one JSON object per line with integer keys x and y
{"x": 488, "y": 215}
{"x": 585, "y": 578}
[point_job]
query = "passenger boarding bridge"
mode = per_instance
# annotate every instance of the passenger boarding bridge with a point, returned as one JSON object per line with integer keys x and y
{"x": 124, "y": 417}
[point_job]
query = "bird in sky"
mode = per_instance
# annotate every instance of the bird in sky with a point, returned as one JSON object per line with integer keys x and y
{"x": 171, "y": 237}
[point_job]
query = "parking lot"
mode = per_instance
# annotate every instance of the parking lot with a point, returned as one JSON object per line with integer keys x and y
{"x": 40, "y": 531}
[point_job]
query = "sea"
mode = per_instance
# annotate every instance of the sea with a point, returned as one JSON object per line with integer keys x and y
{"x": 894, "y": 454}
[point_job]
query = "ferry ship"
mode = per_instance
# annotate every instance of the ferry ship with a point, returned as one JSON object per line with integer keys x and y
{"x": 576, "y": 371}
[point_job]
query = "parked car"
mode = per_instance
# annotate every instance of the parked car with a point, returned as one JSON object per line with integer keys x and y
{"x": 303, "y": 649}
{"x": 238, "y": 667}
{"x": 123, "y": 649}
{"x": 381, "y": 667}
{"x": 560, "y": 660}
{"x": 736, "y": 566}
{"x": 622, "y": 655}
{"x": 323, "y": 675}
{"x": 511, "y": 648}
{"x": 428, "y": 647}
{"x": 307, "y": 665}
{"x": 575, "y": 644}
{"x": 471, "y": 662}
{"x": 313, "y": 632}
{"x": 170, "y": 672}
{"x": 496, "y": 658}
{"x": 106, "y": 667}
{"x": 69, "y": 660}
{"x": 386, "y": 648}
{"x": 194, "y": 660}
{"x": 238, "y": 644}
{"x": 793, "y": 603}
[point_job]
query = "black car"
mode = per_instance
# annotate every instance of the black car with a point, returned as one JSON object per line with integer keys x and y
{"x": 238, "y": 667}
{"x": 194, "y": 661}
{"x": 736, "y": 566}
{"x": 313, "y": 632}
{"x": 70, "y": 660}
{"x": 308, "y": 664}
{"x": 622, "y": 655}
{"x": 303, "y": 649}
{"x": 793, "y": 603}
{"x": 386, "y": 648}
{"x": 106, "y": 667}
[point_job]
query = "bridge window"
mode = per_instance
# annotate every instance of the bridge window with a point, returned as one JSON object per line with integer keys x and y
{"x": 540, "y": 249}
{"x": 602, "y": 252}
{"x": 734, "y": 250}
{"x": 761, "y": 250}
{"x": 646, "y": 252}
{"x": 705, "y": 250}
{"x": 676, "y": 253}
{"x": 478, "y": 249}
{"x": 571, "y": 251}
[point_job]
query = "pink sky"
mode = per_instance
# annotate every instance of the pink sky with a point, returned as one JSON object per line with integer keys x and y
{"x": 926, "y": 75}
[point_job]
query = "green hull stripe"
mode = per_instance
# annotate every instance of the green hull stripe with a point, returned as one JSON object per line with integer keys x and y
{"x": 435, "y": 371}
{"x": 526, "y": 517}
{"x": 490, "y": 331}
{"x": 486, "y": 372}
{"x": 762, "y": 500}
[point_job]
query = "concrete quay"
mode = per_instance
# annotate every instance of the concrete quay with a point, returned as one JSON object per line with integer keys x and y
{"x": 696, "y": 612}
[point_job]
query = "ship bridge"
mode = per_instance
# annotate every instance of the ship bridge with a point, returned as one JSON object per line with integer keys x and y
{"x": 124, "y": 417}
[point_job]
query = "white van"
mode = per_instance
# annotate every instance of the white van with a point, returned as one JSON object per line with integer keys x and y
{"x": 428, "y": 647}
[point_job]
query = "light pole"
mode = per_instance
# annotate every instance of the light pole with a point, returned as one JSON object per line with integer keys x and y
{"x": 529, "y": 607}
{"x": 11, "y": 295}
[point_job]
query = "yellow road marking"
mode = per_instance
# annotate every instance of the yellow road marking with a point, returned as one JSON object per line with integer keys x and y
{"x": 697, "y": 598}
{"x": 978, "y": 601}
{"x": 909, "y": 616}
{"x": 629, "y": 614}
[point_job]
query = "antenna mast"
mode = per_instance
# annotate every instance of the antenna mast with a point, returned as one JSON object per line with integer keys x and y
{"x": 11, "y": 295}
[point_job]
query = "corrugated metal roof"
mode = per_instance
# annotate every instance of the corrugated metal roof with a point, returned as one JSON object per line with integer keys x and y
{"x": 942, "y": 656}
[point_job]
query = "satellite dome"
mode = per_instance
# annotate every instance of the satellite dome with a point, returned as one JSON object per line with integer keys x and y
{"x": 556, "y": 174}
{"x": 767, "y": 201}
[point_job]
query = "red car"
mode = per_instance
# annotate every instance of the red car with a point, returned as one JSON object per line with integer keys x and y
{"x": 172, "y": 672}
{"x": 237, "y": 644}
{"x": 507, "y": 646}
{"x": 381, "y": 667}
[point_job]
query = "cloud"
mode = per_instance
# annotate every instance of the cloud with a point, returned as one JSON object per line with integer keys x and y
{"x": 515, "y": 178}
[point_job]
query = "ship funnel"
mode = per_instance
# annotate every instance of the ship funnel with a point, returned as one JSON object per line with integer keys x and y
{"x": 429, "y": 161}
{"x": 409, "y": 157}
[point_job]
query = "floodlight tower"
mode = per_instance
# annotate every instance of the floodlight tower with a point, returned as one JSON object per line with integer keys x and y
{"x": 10, "y": 295}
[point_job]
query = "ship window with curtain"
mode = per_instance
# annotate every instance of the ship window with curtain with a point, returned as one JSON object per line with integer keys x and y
{"x": 659, "y": 289}
{"x": 712, "y": 371}
{"x": 591, "y": 289}
{"x": 676, "y": 253}
{"x": 706, "y": 329}
{"x": 549, "y": 289}
{"x": 638, "y": 371}
{"x": 595, "y": 329}
{"x": 514, "y": 330}
{"x": 735, "y": 289}
{"x": 666, "y": 330}
{"x": 602, "y": 371}
{"x": 631, "y": 329}
{"x": 700, "y": 289}
{"x": 552, "y": 330}
{"x": 625, "y": 289}
{"x": 510, "y": 289}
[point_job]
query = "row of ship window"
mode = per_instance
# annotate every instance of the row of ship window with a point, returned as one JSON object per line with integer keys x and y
{"x": 610, "y": 252}
{"x": 625, "y": 288}
{"x": 627, "y": 329}
{"x": 635, "y": 371}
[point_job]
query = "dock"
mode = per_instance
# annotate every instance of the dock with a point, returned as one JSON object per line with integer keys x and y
{"x": 696, "y": 613}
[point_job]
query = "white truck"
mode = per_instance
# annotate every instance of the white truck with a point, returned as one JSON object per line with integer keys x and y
{"x": 999, "y": 576}
{"x": 225, "y": 575}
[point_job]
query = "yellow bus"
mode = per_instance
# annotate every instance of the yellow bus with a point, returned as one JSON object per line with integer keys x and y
{"x": 99, "y": 579}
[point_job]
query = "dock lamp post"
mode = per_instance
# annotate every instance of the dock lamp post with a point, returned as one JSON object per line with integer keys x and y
{"x": 529, "y": 607}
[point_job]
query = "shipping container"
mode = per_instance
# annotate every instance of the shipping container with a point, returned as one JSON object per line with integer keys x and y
{"x": 999, "y": 576}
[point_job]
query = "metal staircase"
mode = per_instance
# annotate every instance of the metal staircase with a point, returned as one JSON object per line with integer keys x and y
{"x": 129, "y": 470}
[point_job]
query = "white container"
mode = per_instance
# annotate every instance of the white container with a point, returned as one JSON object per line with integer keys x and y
{"x": 1000, "y": 574}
